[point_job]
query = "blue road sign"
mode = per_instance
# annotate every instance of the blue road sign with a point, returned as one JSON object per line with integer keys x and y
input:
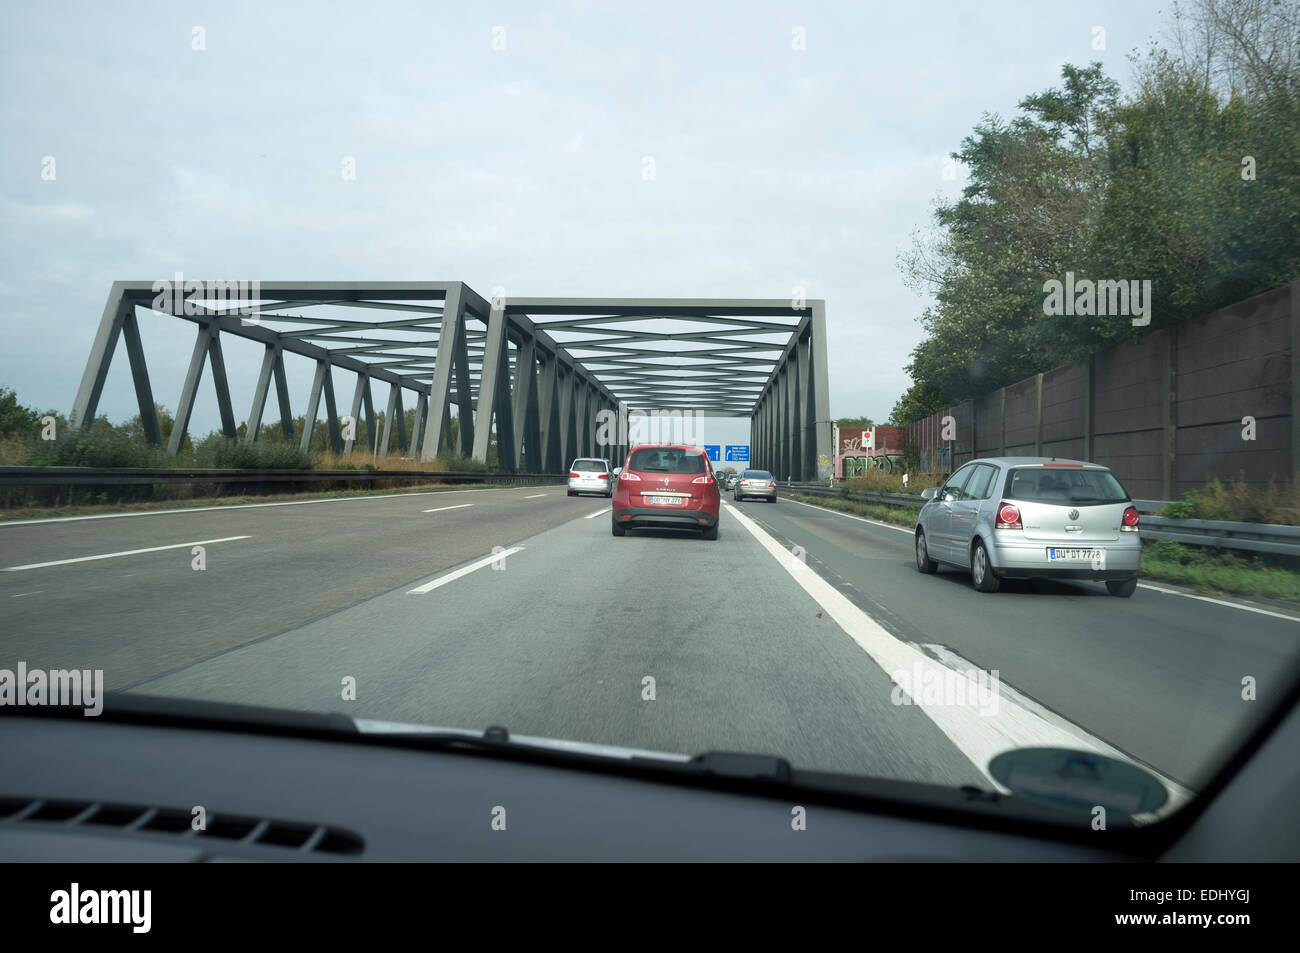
{"x": 737, "y": 453}
{"x": 713, "y": 451}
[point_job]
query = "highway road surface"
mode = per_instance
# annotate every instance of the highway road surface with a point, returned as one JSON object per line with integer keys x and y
{"x": 799, "y": 632}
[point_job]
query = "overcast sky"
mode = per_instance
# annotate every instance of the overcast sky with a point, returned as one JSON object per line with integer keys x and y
{"x": 775, "y": 167}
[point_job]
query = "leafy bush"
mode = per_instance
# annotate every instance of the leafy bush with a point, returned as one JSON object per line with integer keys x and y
{"x": 1238, "y": 501}
{"x": 454, "y": 462}
{"x": 15, "y": 419}
{"x": 881, "y": 481}
{"x": 218, "y": 451}
{"x": 99, "y": 446}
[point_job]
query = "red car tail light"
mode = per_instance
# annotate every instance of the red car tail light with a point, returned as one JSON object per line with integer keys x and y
{"x": 602, "y": 476}
{"x": 574, "y": 476}
{"x": 704, "y": 479}
{"x": 1008, "y": 517}
{"x": 1130, "y": 524}
{"x": 626, "y": 477}
{"x": 772, "y": 483}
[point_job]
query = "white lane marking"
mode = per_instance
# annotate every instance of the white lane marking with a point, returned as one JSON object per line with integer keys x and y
{"x": 19, "y": 595}
{"x": 1141, "y": 585}
{"x": 592, "y": 516}
{"x": 1178, "y": 794}
{"x": 1218, "y": 602}
{"x": 979, "y": 736}
{"x": 458, "y": 506}
{"x": 241, "y": 506}
{"x": 534, "y": 496}
{"x": 129, "y": 552}
{"x": 463, "y": 571}
{"x": 860, "y": 519}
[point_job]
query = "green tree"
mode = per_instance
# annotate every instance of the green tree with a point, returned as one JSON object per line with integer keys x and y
{"x": 1027, "y": 215}
{"x": 918, "y": 402}
{"x": 1157, "y": 187}
{"x": 15, "y": 418}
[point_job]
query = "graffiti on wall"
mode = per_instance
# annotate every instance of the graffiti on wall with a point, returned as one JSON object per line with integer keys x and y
{"x": 856, "y": 463}
{"x": 938, "y": 460}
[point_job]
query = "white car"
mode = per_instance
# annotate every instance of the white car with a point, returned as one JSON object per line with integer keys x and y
{"x": 591, "y": 475}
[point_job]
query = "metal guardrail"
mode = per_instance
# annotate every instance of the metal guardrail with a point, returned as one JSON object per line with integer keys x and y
{"x": 181, "y": 476}
{"x": 1251, "y": 537}
{"x": 1248, "y": 537}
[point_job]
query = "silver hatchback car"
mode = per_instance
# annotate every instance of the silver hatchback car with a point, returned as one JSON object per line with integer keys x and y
{"x": 1031, "y": 517}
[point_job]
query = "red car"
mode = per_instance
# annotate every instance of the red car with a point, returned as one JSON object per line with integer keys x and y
{"x": 667, "y": 485}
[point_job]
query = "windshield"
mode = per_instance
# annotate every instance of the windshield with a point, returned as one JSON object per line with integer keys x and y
{"x": 302, "y": 315}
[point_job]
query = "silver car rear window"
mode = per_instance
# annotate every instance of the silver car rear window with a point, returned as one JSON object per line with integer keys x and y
{"x": 1075, "y": 486}
{"x": 589, "y": 466}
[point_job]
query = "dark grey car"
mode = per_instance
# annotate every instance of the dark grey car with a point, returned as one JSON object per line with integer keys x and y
{"x": 756, "y": 484}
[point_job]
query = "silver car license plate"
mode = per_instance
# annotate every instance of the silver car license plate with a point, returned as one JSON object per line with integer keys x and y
{"x": 1055, "y": 554}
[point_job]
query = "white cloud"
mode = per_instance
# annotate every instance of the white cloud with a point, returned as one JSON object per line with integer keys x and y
{"x": 521, "y": 168}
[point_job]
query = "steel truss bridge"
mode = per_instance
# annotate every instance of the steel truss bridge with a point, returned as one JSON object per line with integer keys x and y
{"x": 540, "y": 369}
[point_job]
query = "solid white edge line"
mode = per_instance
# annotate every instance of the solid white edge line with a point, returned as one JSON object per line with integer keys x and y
{"x": 129, "y": 552}
{"x": 1141, "y": 585}
{"x": 1218, "y": 602}
{"x": 535, "y": 496}
{"x": 458, "y": 506}
{"x": 592, "y": 516}
{"x": 978, "y": 736}
{"x": 463, "y": 571}
{"x": 244, "y": 506}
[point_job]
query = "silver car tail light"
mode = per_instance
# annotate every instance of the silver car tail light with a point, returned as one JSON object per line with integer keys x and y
{"x": 1008, "y": 517}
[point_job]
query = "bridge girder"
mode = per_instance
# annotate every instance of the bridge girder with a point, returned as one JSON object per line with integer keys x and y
{"x": 545, "y": 371}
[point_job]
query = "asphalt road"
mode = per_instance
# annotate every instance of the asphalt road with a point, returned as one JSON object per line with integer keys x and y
{"x": 511, "y": 607}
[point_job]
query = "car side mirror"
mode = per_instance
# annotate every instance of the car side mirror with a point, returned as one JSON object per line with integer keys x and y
{"x": 617, "y": 471}
{"x": 928, "y": 493}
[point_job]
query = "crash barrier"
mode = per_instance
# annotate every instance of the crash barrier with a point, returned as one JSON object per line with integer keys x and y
{"x": 282, "y": 479}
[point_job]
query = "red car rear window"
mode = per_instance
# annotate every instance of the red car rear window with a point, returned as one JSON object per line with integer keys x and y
{"x": 667, "y": 460}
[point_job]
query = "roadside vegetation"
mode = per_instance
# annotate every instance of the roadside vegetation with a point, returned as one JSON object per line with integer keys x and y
{"x": 29, "y": 437}
{"x": 1238, "y": 501}
{"x": 882, "y": 481}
